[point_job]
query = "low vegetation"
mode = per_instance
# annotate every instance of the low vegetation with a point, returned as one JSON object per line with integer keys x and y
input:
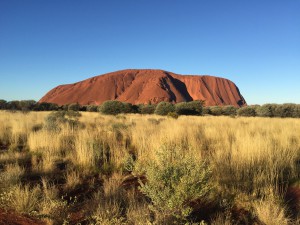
{"x": 114, "y": 107}
{"x": 69, "y": 167}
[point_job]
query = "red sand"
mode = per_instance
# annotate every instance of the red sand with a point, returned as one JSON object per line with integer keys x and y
{"x": 144, "y": 86}
{"x": 13, "y": 218}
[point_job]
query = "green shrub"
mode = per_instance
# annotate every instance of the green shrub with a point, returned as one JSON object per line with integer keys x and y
{"x": 296, "y": 111}
{"x": 229, "y": 110}
{"x": 174, "y": 180}
{"x": 147, "y": 109}
{"x": 284, "y": 110}
{"x": 163, "y": 108}
{"x": 83, "y": 108}
{"x": 3, "y": 104}
{"x": 189, "y": 108}
{"x": 55, "y": 119}
{"x": 92, "y": 108}
{"x": 216, "y": 110}
{"x": 206, "y": 110}
{"x": 248, "y": 111}
{"x": 196, "y": 106}
{"x": 73, "y": 107}
{"x": 173, "y": 115}
{"x": 24, "y": 105}
{"x": 266, "y": 110}
{"x": 45, "y": 106}
{"x": 27, "y": 105}
{"x": 115, "y": 107}
{"x": 129, "y": 108}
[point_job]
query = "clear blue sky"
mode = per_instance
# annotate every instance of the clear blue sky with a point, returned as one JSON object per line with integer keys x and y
{"x": 256, "y": 43}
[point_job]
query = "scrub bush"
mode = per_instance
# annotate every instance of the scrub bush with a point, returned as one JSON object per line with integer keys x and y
{"x": 163, "y": 108}
{"x": 173, "y": 181}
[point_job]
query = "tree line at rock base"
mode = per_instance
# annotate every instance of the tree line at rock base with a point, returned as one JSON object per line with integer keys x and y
{"x": 198, "y": 108}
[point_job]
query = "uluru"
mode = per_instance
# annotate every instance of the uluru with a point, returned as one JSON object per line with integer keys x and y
{"x": 139, "y": 86}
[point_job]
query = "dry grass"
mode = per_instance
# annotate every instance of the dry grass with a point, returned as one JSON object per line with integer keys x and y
{"x": 253, "y": 157}
{"x": 271, "y": 212}
{"x": 72, "y": 179}
{"x": 22, "y": 199}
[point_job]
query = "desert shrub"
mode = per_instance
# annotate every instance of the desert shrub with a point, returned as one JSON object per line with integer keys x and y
{"x": 45, "y": 106}
{"x": 55, "y": 119}
{"x": 196, "y": 106}
{"x": 173, "y": 115}
{"x": 147, "y": 109}
{"x": 129, "y": 108}
{"x": 74, "y": 107}
{"x": 92, "y": 108}
{"x": 229, "y": 110}
{"x": 266, "y": 110}
{"x": 24, "y": 105}
{"x": 3, "y": 104}
{"x": 115, "y": 107}
{"x": 284, "y": 110}
{"x": 163, "y": 108}
{"x": 247, "y": 111}
{"x": 13, "y": 105}
{"x": 206, "y": 110}
{"x": 83, "y": 108}
{"x": 216, "y": 110}
{"x": 296, "y": 111}
{"x": 65, "y": 107}
{"x": 173, "y": 181}
{"x": 189, "y": 108}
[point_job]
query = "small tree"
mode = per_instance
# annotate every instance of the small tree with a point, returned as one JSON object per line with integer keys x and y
{"x": 27, "y": 105}
{"x": 91, "y": 108}
{"x": 163, "y": 108}
{"x": 45, "y": 106}
{"x": 129, "y": 108}
{"x": 247, "y": 111}
{"x": 284, "y": 111}
{"x": 13, "y": 105}
{"x": 189, "y": 108}
{"x": 3, "y": 104}
{"x": 115, "y": 107}
{"x": 74, "y": 107}
{"x": 147, "y": 109}
{"x": 266, "y": 110}
{"x": 206, "y": 110}
{"x": 229, "y": 110}
{"x": 296, "y": 111}
{"x": 216, "y": 110}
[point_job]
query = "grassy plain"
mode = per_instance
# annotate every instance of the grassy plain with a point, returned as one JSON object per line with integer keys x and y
{"x": 90, "y": 173}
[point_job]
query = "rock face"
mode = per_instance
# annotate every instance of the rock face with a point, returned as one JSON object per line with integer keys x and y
{"x": 144, "y": 86}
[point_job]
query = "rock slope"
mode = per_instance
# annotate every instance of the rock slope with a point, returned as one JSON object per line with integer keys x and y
{"x": 144, "y": 86}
